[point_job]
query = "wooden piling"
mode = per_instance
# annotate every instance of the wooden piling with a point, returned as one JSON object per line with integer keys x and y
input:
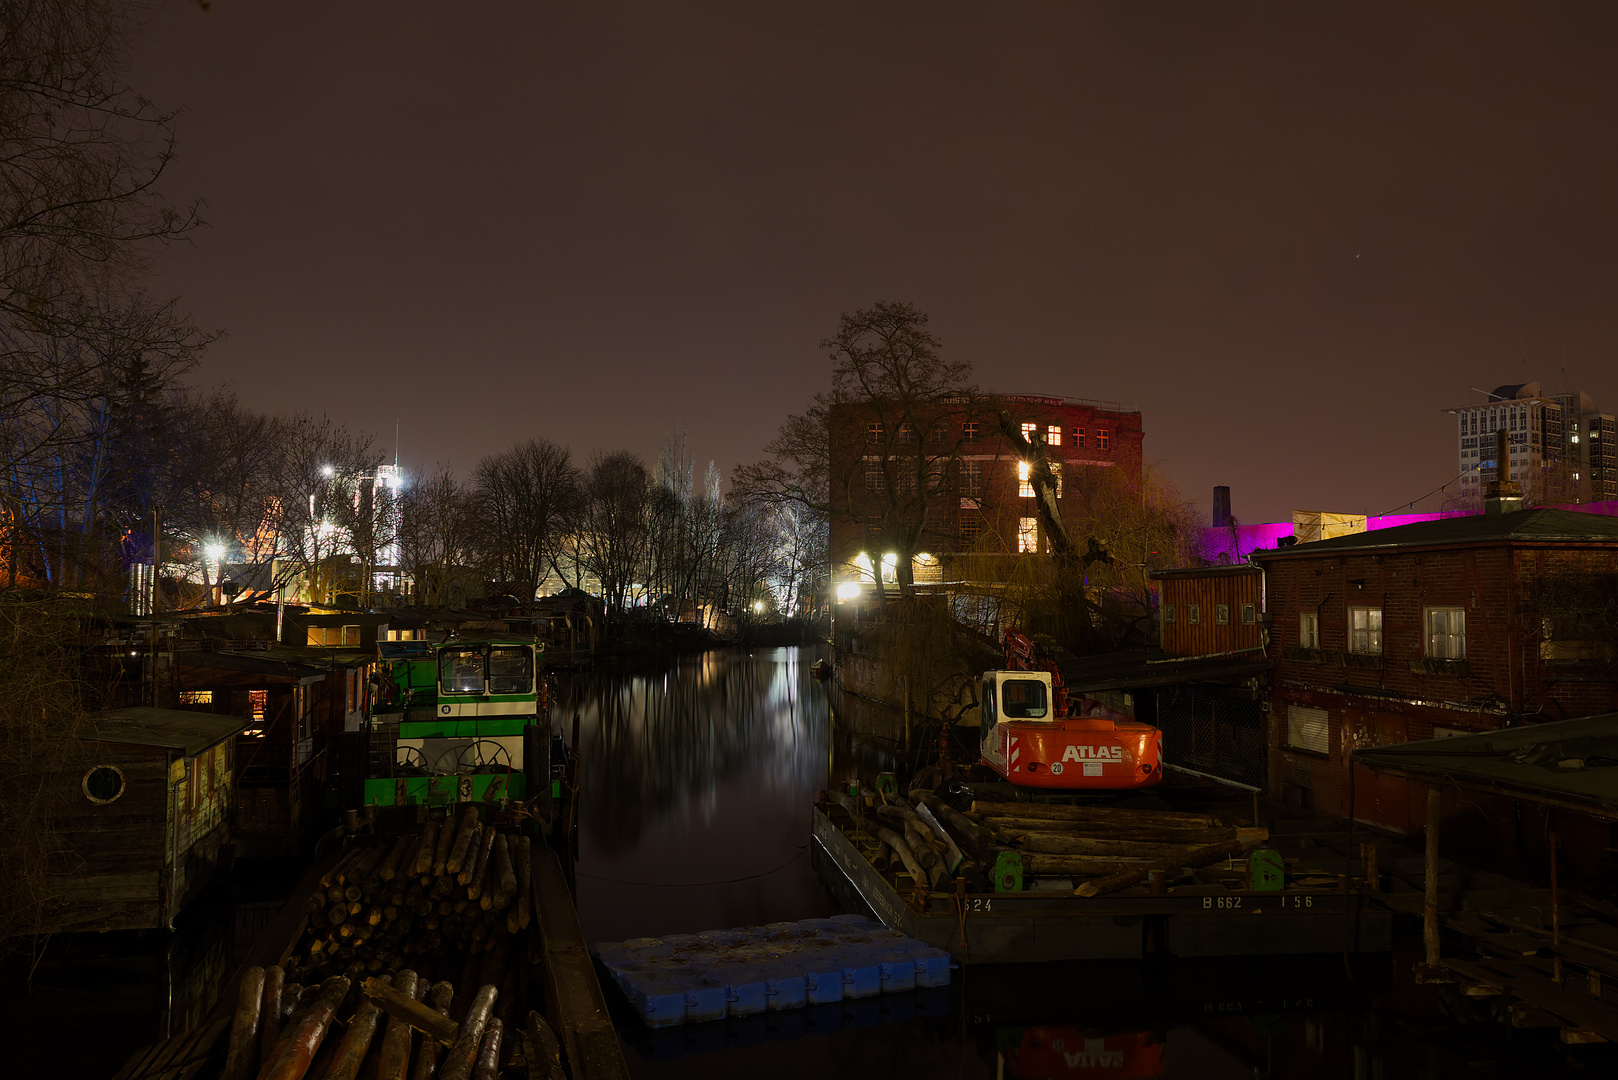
{"x": 1429, "y": 916}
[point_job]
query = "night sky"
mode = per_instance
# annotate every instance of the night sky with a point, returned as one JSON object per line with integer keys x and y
{"x": 1291, "y": 234}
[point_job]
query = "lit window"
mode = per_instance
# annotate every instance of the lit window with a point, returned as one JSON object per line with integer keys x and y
{"x": 969, "y": 430}
{"x": 1053, "y": 435}
{"x": 1309, "y": 630}
{"x": 873, "y": 477}
{"x": 1078, "y": 436}
{"x": 906, "y": 477}
{"x": 1365, "y": 630}
{"x": 971, "y": 479}
{"x": 196, "y": 697}
{"x": 1029, "y": 430}
{"x": 1103, "y": 438}
{"x": 1446, "y": 633}
{"x": 873, "y": 432}
{"x": 1025, "y": 487}
{"x": 1222, "y": 614}
{"x": 907, "y": 433}
{"x": 1308, "y": 729}
{"x": 1027, "y": 535}
{"x": 258, "y": 702}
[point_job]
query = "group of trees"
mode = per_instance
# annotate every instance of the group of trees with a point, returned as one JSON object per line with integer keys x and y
{"x": 883, "y": 449}
{"x": 528, "y": 519}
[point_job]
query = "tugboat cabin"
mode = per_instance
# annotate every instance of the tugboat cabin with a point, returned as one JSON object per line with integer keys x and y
{"x": 141, "y": 813}
{"x": 453, "y": 720}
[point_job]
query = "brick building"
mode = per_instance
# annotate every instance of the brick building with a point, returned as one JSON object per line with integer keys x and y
{"x": 945, "y": 480}
{"x": 1430, "y": 630}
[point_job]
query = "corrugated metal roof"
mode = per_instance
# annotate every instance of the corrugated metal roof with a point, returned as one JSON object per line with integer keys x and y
{"x": 1523, "y": 526}
{"x": 170, "y": 729}
{"x": 1527, "y": 761}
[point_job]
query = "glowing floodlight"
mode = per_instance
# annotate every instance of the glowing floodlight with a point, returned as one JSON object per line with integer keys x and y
{"x": 848, "y": 590}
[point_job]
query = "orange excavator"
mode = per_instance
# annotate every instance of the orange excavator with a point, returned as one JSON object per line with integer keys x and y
{"x": 1034, "y": 736}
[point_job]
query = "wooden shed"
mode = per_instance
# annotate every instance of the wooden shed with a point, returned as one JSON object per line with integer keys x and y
{"x": 141, "y": 816}
{"x": 1211, "y": 610}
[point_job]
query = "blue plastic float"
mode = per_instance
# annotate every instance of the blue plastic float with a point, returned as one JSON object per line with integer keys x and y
{"x": 690, "y": 978}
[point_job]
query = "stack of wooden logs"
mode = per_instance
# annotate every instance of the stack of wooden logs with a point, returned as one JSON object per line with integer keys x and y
{"x": 393, "y": 1027}
{"x": 1117, "y": 848}
{"x": 434, "y": 901}
{"x": 1114, "y": 848}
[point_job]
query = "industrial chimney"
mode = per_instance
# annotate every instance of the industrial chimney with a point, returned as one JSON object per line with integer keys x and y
{"x": 1221, "y": 507}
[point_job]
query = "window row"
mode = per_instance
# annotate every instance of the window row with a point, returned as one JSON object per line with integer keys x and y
{"x": 1193, "y": 614}
{"x": 1445, "y": 631}
{"x": 938, "y": 434}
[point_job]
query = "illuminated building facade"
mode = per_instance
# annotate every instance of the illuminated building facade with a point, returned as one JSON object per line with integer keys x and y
{"x": 946, "y": 481}
{"x": 1563, "y": 448}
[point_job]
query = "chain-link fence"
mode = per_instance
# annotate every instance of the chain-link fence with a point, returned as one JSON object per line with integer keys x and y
{"x": 1215, "y": 731}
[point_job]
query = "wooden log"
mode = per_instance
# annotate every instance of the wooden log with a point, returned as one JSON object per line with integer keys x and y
{"x": 463, "y": 840}
{"x": 423, "y": 864}
{"x": 334, "y": 876}
{"x": 850, "y": 805}
{"x": 432, "y": 1051}
{"x": 1065, "y": 844}
{"x": 953, "y": 856}
{"x": 486, "y": 887}
{"x": 425, "y": 1018}
{"x": 269, "y": 1024}
{"x": 390, "y": 865}
{"x": 462, "y": 1056}
{"x": 356, "y": 1042}
{"x": 972, "y": 837}
{"x": 1079, "y": 865}
{"x": 525, "y": 878}
{"x": 1097, "y": 814}
{"x": 902, "y": 849}
{"x": 542, "y": 1051}
{"x": 507, "y": 873}
{"x": 488, "y": 1061}
{"x": 296, "y": 1049}
{"x": 882, "y": 858}
{"x": 485, "y": 848}
{"x": 360, "y": 871}
{"x": 446, "y": 840}
{"x": 474, "y": 850}
{"x": 1203, "y": 856}
{"x": 241, "y": 1060}
{"x": 1148, "y": 834}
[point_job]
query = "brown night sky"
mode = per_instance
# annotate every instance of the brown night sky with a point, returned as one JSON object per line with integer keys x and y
{"x": 1290, "y": 233}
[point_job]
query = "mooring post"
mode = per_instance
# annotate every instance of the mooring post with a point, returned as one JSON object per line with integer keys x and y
{"x": 1429, "y": 916}
{"x": 1556, "y": 914}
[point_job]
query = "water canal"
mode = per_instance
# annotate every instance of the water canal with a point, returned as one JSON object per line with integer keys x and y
{"x": 697, "y": 778}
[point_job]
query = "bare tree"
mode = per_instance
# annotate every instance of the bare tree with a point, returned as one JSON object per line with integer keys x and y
{"x": 879, "y": 449}
{"x": 527, "y": 497}
{"x": 610, "y": 541}
{"x": 438, "y": 538}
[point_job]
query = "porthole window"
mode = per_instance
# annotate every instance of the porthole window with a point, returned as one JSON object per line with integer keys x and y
{"x": 103, "y": 784}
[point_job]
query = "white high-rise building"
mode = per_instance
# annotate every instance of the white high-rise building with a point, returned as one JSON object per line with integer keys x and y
{"x": 1562, "y": 447}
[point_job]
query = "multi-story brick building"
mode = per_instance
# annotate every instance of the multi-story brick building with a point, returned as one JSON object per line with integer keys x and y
{"x": 946, "y": 480}
{"x": 1427, "y": 630}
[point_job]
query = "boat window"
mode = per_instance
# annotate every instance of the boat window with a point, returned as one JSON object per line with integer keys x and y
{"x": 460, "y": 671}
{"x": 1023, "y": 699}
{"x": 511, "y": 670}
{"x": 104, "y": 783}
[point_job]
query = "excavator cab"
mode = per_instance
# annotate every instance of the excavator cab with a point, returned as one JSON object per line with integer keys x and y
{"x": 1027, "y": 742}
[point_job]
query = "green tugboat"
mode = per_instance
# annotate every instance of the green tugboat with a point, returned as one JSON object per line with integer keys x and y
{"x": 457, "y": 721}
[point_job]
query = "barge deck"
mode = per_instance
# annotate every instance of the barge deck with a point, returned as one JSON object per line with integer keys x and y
{"x": 1203, "y": 913}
